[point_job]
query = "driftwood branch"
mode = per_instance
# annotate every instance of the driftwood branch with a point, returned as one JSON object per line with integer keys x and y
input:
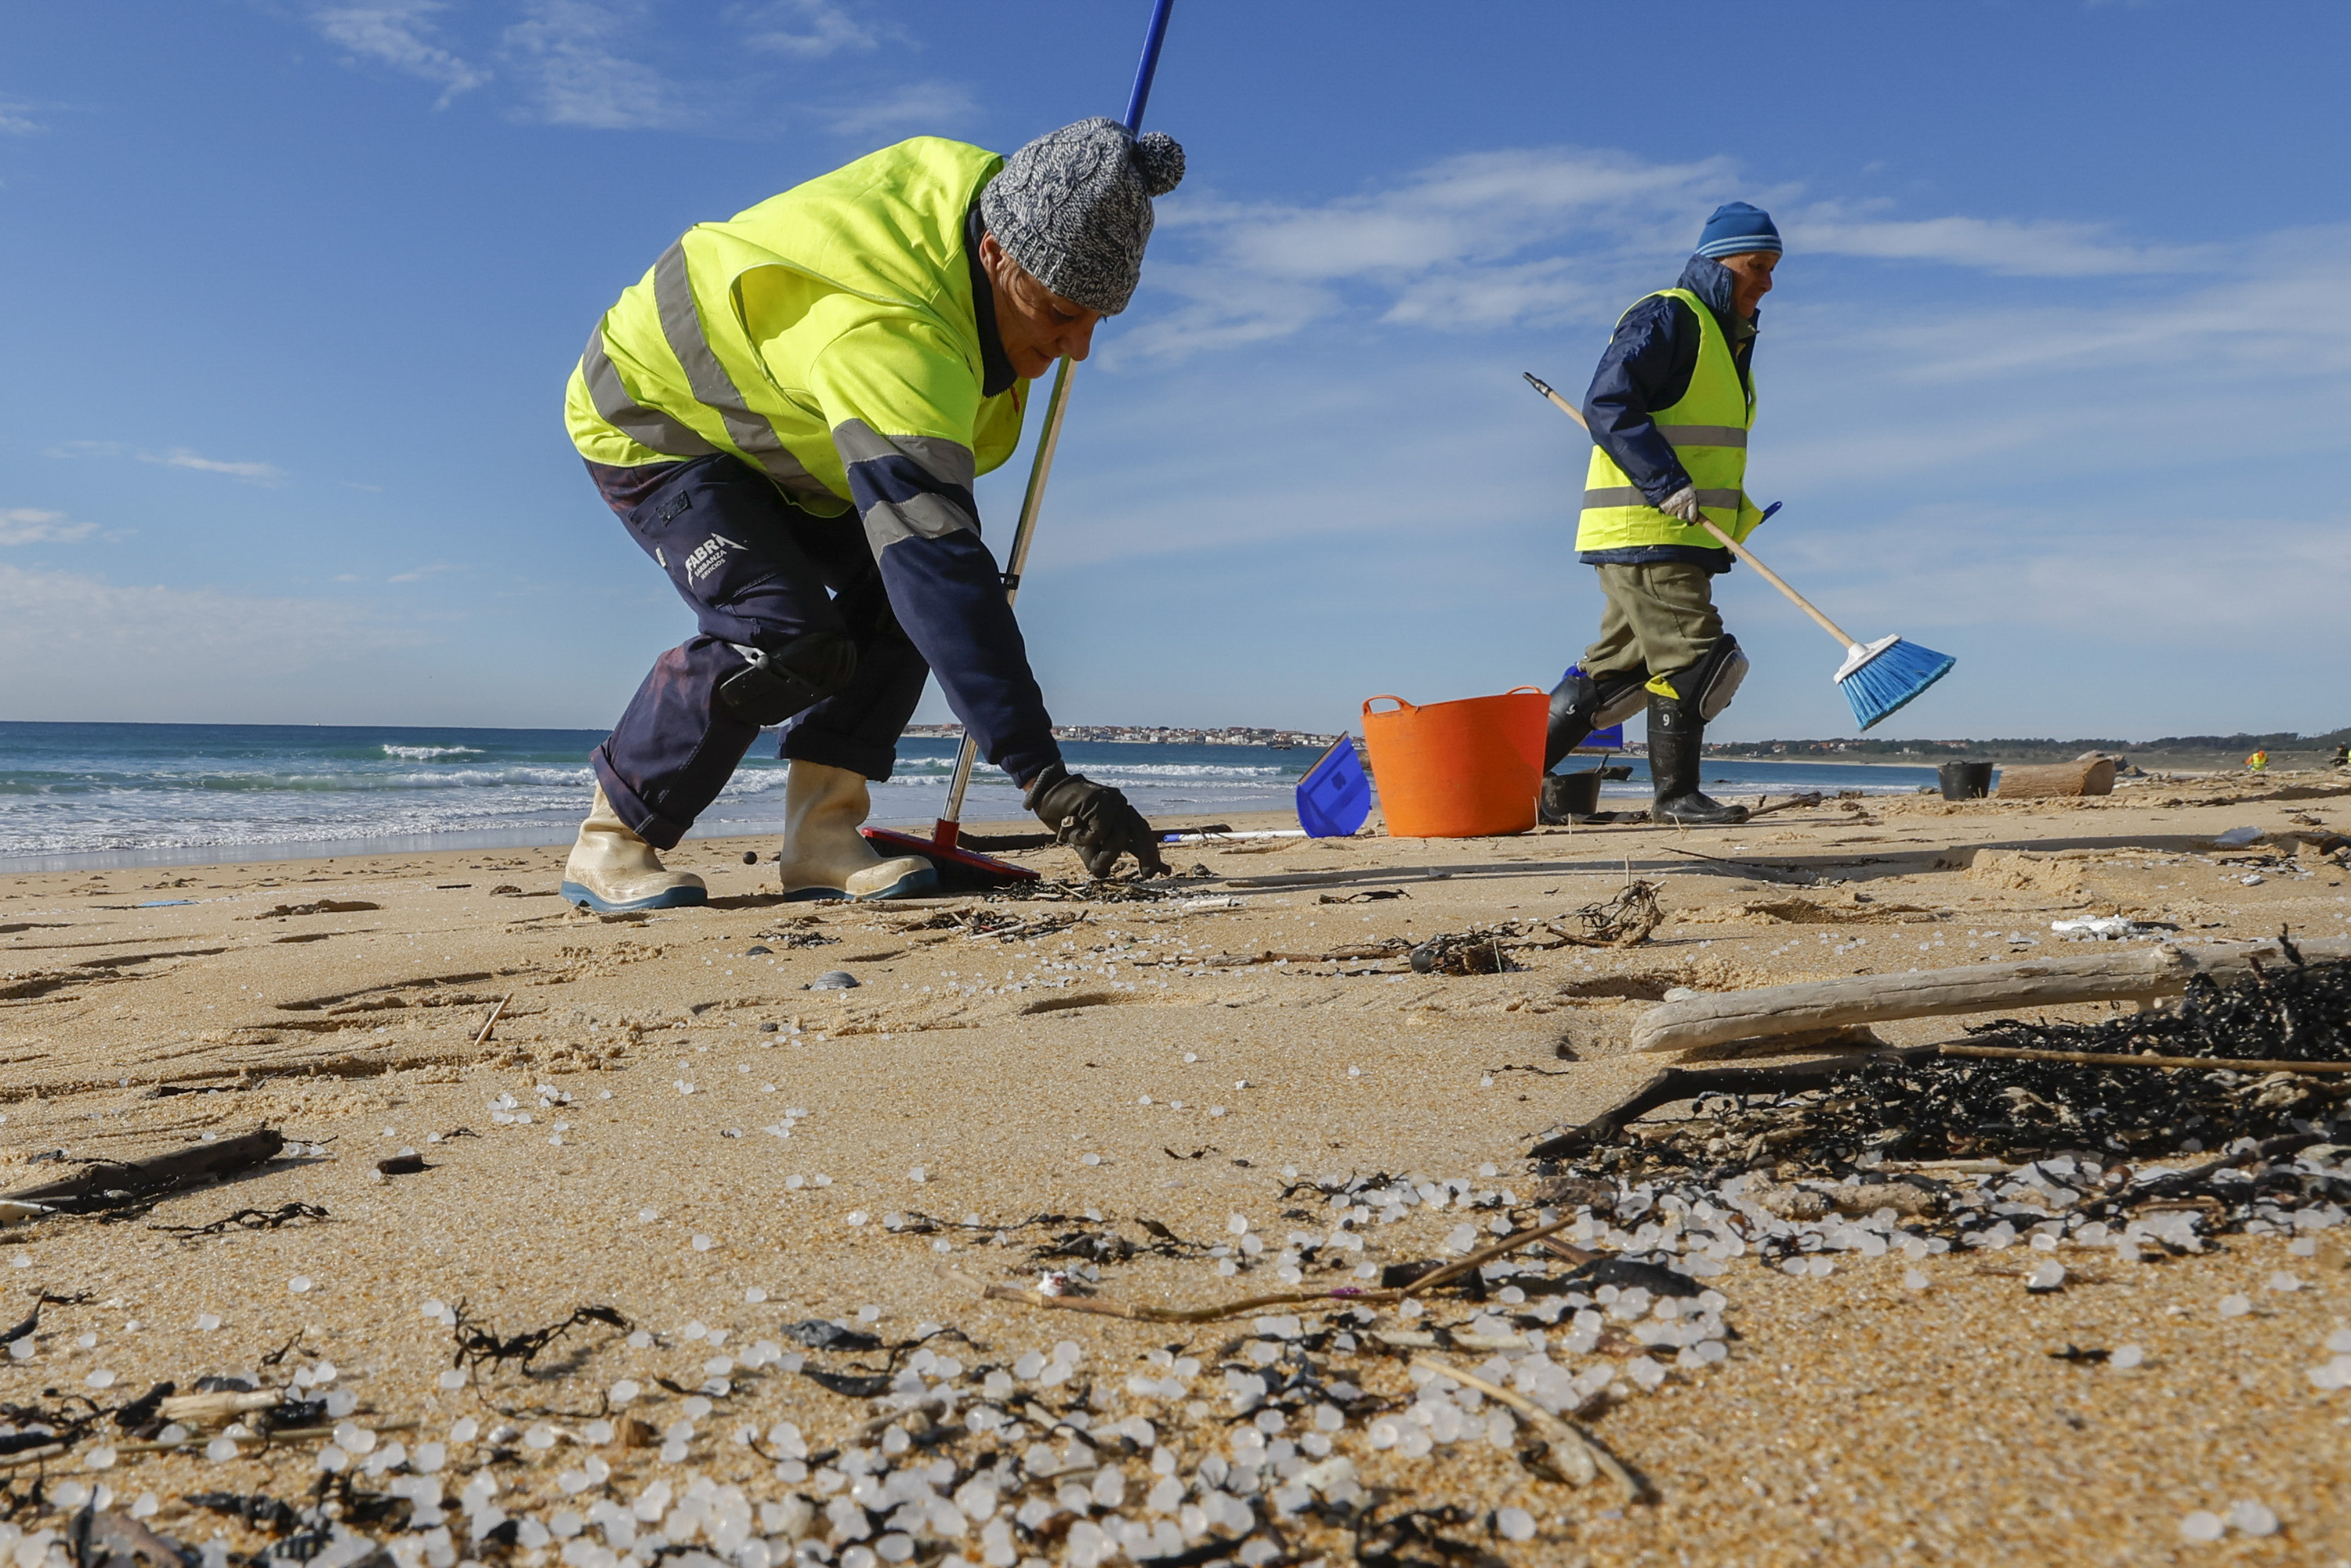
{"x": 159, "y": 1172}
{"x": 2057, "y": 780}
{"x": 2139, "y": 974}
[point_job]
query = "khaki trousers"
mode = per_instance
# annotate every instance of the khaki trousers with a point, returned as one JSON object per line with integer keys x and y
{"x": 1660, "y": 618}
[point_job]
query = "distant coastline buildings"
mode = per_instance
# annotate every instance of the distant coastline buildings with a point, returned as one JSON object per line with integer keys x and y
{"x": 1155, "y": 735}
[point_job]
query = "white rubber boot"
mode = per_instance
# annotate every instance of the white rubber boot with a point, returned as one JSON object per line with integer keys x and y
{"x": 613, "y": 871}
{"x": 824, "y": 855}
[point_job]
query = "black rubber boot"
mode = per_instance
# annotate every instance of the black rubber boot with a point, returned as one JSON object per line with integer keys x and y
{"x": 1677, "y": 743}
{"x": 1574, "y": 702}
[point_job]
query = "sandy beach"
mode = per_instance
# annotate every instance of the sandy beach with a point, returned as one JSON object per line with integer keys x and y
{"x": 664, "y": 1120}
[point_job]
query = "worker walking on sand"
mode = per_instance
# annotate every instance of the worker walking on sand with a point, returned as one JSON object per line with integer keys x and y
{"x": 1669, "y": 410}
{"x": 788, "y": 413}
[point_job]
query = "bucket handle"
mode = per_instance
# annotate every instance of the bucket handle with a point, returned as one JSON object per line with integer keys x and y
{"x": 1404, "y": 706}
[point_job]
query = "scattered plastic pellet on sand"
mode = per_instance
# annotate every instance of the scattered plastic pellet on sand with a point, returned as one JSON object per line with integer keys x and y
{"x": 2202, "y": 1525}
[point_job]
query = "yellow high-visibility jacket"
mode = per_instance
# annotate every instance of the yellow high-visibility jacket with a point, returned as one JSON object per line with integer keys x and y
{"x": 797, "y": 334}
{"x": 830, "y": 338}
{"x": 1707, "y": 431}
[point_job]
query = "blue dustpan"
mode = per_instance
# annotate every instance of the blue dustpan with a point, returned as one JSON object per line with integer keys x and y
{"x": 1335, "y": 795}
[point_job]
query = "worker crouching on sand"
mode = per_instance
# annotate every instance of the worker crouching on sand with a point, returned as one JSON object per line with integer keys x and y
{"x": 788, "y": 413}
{"x": 1669, "y": 410}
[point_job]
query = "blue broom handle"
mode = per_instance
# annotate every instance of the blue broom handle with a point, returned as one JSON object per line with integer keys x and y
{"x": 1149, "y": 64}
{"x": 1057, "y": 405}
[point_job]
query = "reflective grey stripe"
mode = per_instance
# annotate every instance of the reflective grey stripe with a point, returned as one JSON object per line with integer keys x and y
{"x": 647, "y": 427}
{"x": 924, "y": 516}
{"x": 713, "y": 387}
{"x": 928, "y": 515}
{"x": 1704, "y": 436}
{"x": 1628, "y": 495}
{"x": 948, "y": 462}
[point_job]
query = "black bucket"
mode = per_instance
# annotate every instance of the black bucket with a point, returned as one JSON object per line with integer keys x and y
{"x": 1566, "y": 796}
{"x": 1966, "y": 781}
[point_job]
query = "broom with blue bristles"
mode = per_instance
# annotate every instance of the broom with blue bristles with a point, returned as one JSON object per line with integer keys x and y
{"x": 1877, "y": 677}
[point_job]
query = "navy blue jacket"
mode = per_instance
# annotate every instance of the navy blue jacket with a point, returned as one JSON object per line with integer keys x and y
{"x": 1648, "y": 366}
{"x": 946, "y": 589}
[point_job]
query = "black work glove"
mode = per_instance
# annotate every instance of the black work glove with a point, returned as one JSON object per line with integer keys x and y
{"x": 1094, "y": 819}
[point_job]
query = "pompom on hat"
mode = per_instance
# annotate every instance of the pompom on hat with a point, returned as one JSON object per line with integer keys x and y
{"x": 1737, "y": 229}
{"x": 1074, "y": 208}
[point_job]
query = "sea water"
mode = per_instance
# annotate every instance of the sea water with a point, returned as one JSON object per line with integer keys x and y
{"x": 76, "y": 795}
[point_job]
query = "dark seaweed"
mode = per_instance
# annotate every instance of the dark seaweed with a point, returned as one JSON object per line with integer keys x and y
{"x": 478, "y": 1344}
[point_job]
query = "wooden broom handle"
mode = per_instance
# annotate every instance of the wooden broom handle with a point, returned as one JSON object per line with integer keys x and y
{"x": 1733, "y": 545}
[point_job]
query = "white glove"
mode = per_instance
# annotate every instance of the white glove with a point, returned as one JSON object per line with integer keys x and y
{"x": 1683, "y": 504}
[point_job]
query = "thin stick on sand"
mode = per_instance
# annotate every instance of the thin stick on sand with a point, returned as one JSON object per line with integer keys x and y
{"x": 1509, "y": 1243}
{"x": 1145, "y": 1313}
{"x": 1568, "y": 1250}
{"x": 1577, "y": 1453}
{"x": 491, "y": 1023}
{"x": 1344, "y": 1296}
{"x": 265, "y": 1439}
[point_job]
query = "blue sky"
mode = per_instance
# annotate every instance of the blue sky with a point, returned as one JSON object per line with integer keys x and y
{"x": 2057, "y": 378}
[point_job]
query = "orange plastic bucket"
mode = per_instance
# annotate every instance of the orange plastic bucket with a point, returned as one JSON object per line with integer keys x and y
{"x": 1467, "y": 770}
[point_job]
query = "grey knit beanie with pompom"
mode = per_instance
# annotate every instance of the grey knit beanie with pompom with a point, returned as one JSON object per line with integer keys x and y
{"x": 1074, "y": 208}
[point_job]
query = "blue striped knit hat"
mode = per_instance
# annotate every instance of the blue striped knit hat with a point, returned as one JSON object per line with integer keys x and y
{"x": 1736, "y": 229}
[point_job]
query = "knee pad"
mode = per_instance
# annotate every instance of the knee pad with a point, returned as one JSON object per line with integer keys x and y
{"x": 1597, "y": 701}
{"x": 1706, "y": 687}
{"x": 1580, "y": 703}
{"x": 774, "y": 686}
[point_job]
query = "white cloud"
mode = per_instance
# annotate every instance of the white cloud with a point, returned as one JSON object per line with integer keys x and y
{"x": 396, "y": 32}
{"x": 267, "y": 474}
{"x": 808, "y": 29}
{"x": 62, "y": 639}
{"x": 2257, "y": 319}
{"x": 1952, "y": 567}
{"x": 569, "y": 49}
{"x": 181, "y": 457}
{"x": 15, "y": 119}
{"x": 1518, "y": 237}
{"x": 1477, "y": 241}
{"x": 916, "y": 109}
{"x": 2006, "y": 246}
{"x": 28, "y": 526}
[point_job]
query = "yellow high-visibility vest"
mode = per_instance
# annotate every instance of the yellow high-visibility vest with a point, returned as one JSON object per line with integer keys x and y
{"x": 841, "y": 310}
{"x": 1707, "y": 431}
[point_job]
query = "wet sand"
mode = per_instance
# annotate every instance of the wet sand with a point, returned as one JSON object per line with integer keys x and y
{"x": 667, "y": 1124}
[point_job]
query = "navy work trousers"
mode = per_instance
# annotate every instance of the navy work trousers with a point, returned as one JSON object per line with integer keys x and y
{"x": 759, "y": 573}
